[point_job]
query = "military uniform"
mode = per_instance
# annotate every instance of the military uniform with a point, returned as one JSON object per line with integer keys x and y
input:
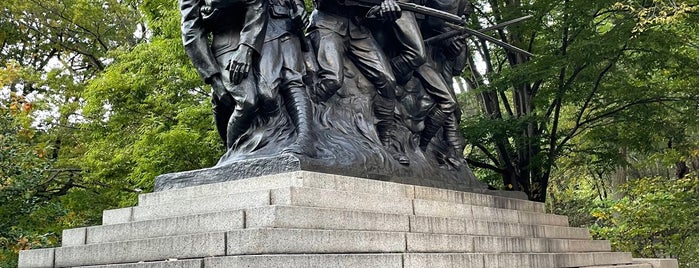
{"x": 282, "y": 67}
{"x": 336, "y": 30}
{"x": 436, "y": 76}
{"x": 232, "y": 24}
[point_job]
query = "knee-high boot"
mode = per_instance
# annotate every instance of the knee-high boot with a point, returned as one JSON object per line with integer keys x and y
{"x": 455, "y": 139}
{"x": 434, "y": 121}
{"x": 386, "y": 127}
{"x": 298, "y": 106}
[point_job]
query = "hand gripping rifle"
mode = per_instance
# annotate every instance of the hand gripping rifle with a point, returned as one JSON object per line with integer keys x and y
{"x": 453, "y": 21}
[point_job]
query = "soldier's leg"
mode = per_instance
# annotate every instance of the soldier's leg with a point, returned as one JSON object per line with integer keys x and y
{"x": 245, "y": 97}
{"x": 412, "y": 48}
{"x": 445, "y": 102}
{"x": 296, "y": 99}
{"x": 330, "y": 49}
{"x": 368, "y": 58}
{"x": 222, "y": 113}
{"x": 453, "y": 136}
{"x": 270, "y": 79}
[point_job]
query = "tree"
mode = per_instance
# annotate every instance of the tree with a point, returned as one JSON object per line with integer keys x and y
{"x": 598, "y": 63}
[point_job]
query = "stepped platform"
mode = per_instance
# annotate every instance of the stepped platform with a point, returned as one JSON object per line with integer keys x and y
{"x": 306, "y": 219}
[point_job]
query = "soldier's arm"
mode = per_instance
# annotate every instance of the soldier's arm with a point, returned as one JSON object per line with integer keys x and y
{"x": 253, "y": 32}
{"x": 194, "y": 38}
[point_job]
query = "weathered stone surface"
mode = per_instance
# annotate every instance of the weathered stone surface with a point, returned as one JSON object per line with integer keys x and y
{"x": 115, "y": 216}
{"x": 197, "y": 263}
{"x": 591, "y": 259}
{"x": 658, "y": 263}
{"x": 639, "y": 265}
{"x": 308, "y": 219}
{"x": 604, "y": 258}
{"x": 429, "y": 175}
{"x": 436, "y": 194}
{"x": 290, "y": 241}
{"x": 234, "y": 171}
{"x": 561, "y": 232}
{"x": 339, "y": 183}
{"x": 184, "y": 225}
{"x": 443, "y": 260}
{"x": 202, "y": 205}
{"x": 574, "y": 260}
{"x": 311, "y": 197}
{"x": 442, "y": 209}
{"x": 307, "y": 261}
{"x": 423, "y": 224}
{"x": 457, "y": 210}
{"x": 224, "y": 188}
{"x": 322, "y": 218}
{"x": 542, "y": 219}
{"x": 439, "y": 243}
{"x": 356, "y": 185}
{"x": 36, "y": 258}
{"x": 567, "y": 245}
{"x": 188, "y": 246}
{"x": 530, "y": 260}
{"x": 73, "y": 237}
{"x": 491, "y": 244}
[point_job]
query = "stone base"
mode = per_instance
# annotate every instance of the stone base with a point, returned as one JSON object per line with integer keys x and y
{"x": 228, "y": 171}
{"x": 306, "y": 219}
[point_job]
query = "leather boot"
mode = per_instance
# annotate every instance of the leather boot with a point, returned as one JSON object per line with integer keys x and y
{"x": 386, "y": 127}
{"x": 434, "y": 121}
{"x": 238, "y": 124}
{"x": 221, "y": 118}
{"x": 455, "y": 139}
{"x": 298, "y": 106}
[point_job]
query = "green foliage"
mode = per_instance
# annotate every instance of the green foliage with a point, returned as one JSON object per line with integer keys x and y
{"x": 604, "y": 70}
{"x": 22, "y": 170}
{"x": 98, "y": 97}
{"x": 657, "y": 218}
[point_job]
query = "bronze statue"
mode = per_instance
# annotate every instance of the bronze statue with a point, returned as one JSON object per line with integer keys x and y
{"x": 281, "y": 105}
{"x": 337, "y": 28}
{"x": 445, "y": 114}
{"x": 237, "y": 28}
{"x": 282, "y": 67}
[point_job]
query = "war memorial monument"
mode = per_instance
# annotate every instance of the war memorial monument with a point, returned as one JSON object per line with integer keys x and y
{"x": 343, "y": 150}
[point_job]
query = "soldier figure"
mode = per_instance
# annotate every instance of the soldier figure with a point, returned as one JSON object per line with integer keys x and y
{"x": 238, "y": 28}
{"x": 436, "y": 75}
{"x": 336, "y": 30}
{"x": 282, "y": 66}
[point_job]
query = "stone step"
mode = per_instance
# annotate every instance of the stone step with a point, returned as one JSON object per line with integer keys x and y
{"x": 154, "y": 249}
{"x": 316, "y": 197}
{"x": 191, "y": 263}
{"x": 187, "y": 207}
{"x": 444, "y": 243}
{"x": 391, "y": 260}
{"x": 302, "y": 218}
{"x": 441, "y": 225}
{"x": 278, "y": 216}
{"x": 302, "y": 241}
{"x": 340, "y": 183}
{"x": 454, "y": 210}
{"x": 658, "y": 263}
{"x": 184, "y": 225}
{"x": 635, "y": 265}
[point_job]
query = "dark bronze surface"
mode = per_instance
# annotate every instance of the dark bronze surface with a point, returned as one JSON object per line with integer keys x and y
{"x": 360, "y": 94}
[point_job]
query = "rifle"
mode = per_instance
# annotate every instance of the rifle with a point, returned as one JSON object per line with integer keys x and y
{"x": 450, "y": 34}
{"x": 453, "y": 21}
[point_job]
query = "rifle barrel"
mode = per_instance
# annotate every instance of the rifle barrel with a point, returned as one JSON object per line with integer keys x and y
{"x": 453, "y": 33}
{"x": 492, "y": 40}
